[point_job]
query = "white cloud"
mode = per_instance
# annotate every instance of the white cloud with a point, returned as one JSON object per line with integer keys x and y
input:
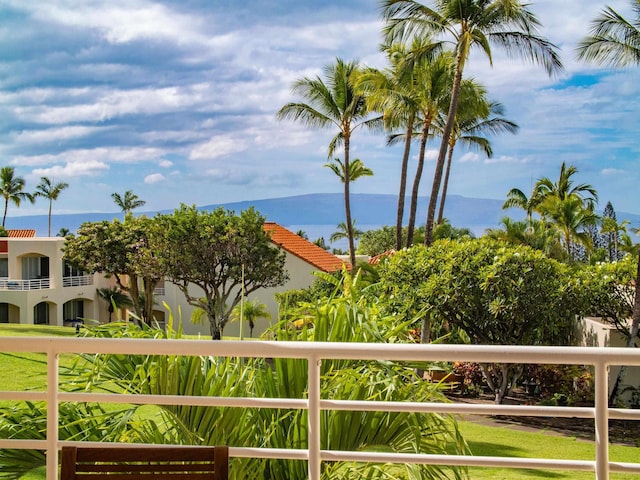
{"x": 166, "y": 163}
{"x": 218, "y": 146}
{"x": 611, "y": 171}
{"x": 104, "y": 155}
{"x": 72, "y": 169}
{"x": 56, "y": 134}
{"x": 154, "y": 178}
{"x": 470, "y": 157}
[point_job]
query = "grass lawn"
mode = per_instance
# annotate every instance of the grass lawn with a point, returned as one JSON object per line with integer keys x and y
{"x": 28, "y": 371}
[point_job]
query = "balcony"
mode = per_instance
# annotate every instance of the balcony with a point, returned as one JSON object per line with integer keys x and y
{"x": 77, "y": 281}
{"x": 32, "y": 284}
{"x": 315, "y": 353}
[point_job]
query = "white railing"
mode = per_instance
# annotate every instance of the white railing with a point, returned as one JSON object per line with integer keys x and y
{"x": 314, "y": 353}
{"x": 33, "y": 284}
{"x": 78, "y": 281}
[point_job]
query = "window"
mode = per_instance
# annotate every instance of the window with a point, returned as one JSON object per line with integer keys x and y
{"x": 4, "y": 267}
{"x": 71, "y": 271}
{"x": 4, "y": 313}
{"x": 35, "y": 267}
{"x": 41, "y": 314}
{"x": 73, "y": 309}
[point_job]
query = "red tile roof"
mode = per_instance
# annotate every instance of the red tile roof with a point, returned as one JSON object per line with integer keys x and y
{"x": 21, "y": 233}
{"x": 303, "y": 249}
{"x": 378, "y": 258}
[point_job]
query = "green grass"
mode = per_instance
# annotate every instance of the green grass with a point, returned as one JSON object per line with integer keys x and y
{"x": 499, "y": 441}
{"x": 28, "y": 371}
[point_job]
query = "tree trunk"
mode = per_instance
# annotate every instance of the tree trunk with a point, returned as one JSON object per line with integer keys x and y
{"x": 6, "y": 205}
{"x": 403, "y": 180}
{"x": 416, "y": 181}
{"x": 50, "y": 203}
{"x": 444, "y": 146}
{"x": 631, "y": 340}
{"x": 347, "y": 202}
{"x": 445, "y": 185}
{"x": 149, "y": 287}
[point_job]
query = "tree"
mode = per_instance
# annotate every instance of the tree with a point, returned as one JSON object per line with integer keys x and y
{"x": 121, "y": 250}
{"x": 470, "y": 23}
{"x": 612, "y": 231}
{"x": 496, "y": 293}
{"x": 570, "y": 217}
{"x": 250, "y": 311}
{"x": 12, "y": 189}
{"x": 127, "y": 202}
{"x": 333, "y": 102}
{"x": 114, "y": 298}
{"x": 474, "y": 119}
{"x": 342, "y": 232}
{"x": 564, "y": 187}
{"x": 47, "y": 189}
{"x": 613, "y": 39}
{"x": 210, "y": 250}
{"x": 63, "y": 232}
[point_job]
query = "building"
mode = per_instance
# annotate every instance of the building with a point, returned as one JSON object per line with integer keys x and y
{"x": 38, "y": 287}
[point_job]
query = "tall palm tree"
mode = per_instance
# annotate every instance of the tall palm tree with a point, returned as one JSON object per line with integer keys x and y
{"x": 469, "y": 23}
{"x": 12, "y": 189}
{"x": 564, "y": 187}
{"x": 333, "y": 102}
{"x": 613, "y": 39}
{"x": 517, "y": 198}
{"x": 342, "y": 232}
{"x": 115, "y": 298}
{"x": 474, "y": 119}
{"x": 250, "y": 311}
{"x": 47, "y": 189}
{"x": 569, "y": 216}
{"x": 127, "y": 202}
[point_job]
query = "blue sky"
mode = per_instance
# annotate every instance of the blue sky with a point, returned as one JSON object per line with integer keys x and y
{"x": 176, "y": 100}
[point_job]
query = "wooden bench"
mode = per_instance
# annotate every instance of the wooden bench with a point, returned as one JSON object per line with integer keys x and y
{"x": 145, "y": 463}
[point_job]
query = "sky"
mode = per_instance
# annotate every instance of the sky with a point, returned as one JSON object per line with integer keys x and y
{"x": 176, "y": 100}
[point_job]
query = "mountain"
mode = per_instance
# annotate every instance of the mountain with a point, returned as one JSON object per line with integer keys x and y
{"x": 369, "y": 210}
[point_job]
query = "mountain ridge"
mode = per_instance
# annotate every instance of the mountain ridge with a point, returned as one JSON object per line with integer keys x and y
{"x": 319, "y": 209}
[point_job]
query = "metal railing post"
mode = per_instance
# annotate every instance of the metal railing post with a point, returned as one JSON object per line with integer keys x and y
{"x": 602, "y": 420}
{"x": 52, "y": 413}
{"x": 313, "y": 414}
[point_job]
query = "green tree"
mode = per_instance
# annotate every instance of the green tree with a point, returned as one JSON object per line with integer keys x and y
{"x": 613, "y": 40}
{"x": 570, "y": 218}
{"x": 218, "y": 251}
{"x": 63, "y": 232}
{"x": 496, "y": 293}
{"x": 343, "y": 232}
{"x": 115, "y": 298}
{"x": 564, "y": 188}
{"x": 127, "y": 202}
{"x": 250, "y": 311}
{"x": 120, "y": 250}
{"x": 333, "y": 102}
{"x": 375, "y": 242}
{"x": 12, "y": 189}
{"x": 469, "y": 23}
{"x": 47, "y": 189}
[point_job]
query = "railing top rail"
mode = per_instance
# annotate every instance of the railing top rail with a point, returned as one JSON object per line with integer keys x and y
{"x": 328, "y": 350}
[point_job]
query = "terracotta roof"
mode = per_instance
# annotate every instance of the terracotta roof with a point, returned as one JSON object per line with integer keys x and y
{"x": 21, "y": 233}
{"x": 378, "y": 258}
{"x": 303, "y": 249}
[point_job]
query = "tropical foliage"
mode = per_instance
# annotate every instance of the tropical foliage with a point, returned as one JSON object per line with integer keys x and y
{"x": 51, "y": 191}
{"x": 12, "y": 190}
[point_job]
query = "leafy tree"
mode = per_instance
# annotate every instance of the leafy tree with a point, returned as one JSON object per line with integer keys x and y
{"x": 444, "y": 229}
{"x": 63, "y": 232}
{"x": 250, "y": 311}
{"x": 469, "y": 23}
{"x": 613, "y": 231}
{"x": 343, "y": 232}
{"x": 375, "y": 242}
{"x": 209, "y": 250}
{"x": 47, "y": 189}
{"x": 496, "y": 293}
{"x": 12, "y": 189}
{"x": 333, "y": 102}
{"x": 613, "y": 40}
{"x": 121, "y": 250}
{"x": 127, "y": 202}
{"x": 570, "y": 218}
{"x": 564, "y": 188}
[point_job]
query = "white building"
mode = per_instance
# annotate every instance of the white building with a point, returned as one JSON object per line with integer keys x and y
{"x": 38, "y": 287}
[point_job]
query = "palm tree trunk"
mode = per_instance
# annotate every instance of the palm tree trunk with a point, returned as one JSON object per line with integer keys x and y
{"x": 445, "y": 185}
{"x": 6, "y": 206}
{"x": 416, "y": 181}
{"x": 444, "y": 146}
{"x": 631, "y": 340}
{"x": 403, "y": 180}
{"x": 49, "y": 233}
{"x": 347, "y": 202}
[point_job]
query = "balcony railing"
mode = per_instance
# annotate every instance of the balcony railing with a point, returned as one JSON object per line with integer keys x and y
{"x": 314, "y": 353}
{"x": 33, "y": 284}
{"x": 78, "y": 281}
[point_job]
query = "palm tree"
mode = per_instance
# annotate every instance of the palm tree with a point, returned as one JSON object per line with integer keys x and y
{"x": 614, "y": 231}
{"x": 115, "y": 298}
{"x": 333, "y": 102}
{"x": 470, "y": 23}
{"x": 613, "y": 39}
{"x": 250, "y": 311}
{"x": 473, "y": 119}
{"x": 47, "y": 189}
{"x": 343, "y": 232}
{"x": 569, "y": 217}
{"x": 127, "y": 202}
{"x": 11, "y": 188}
{"x": 517, "y": 198}
{"x": 357, "y": 169}
{"x": 63, "y": 232}
{"x": 564, "y": 188}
